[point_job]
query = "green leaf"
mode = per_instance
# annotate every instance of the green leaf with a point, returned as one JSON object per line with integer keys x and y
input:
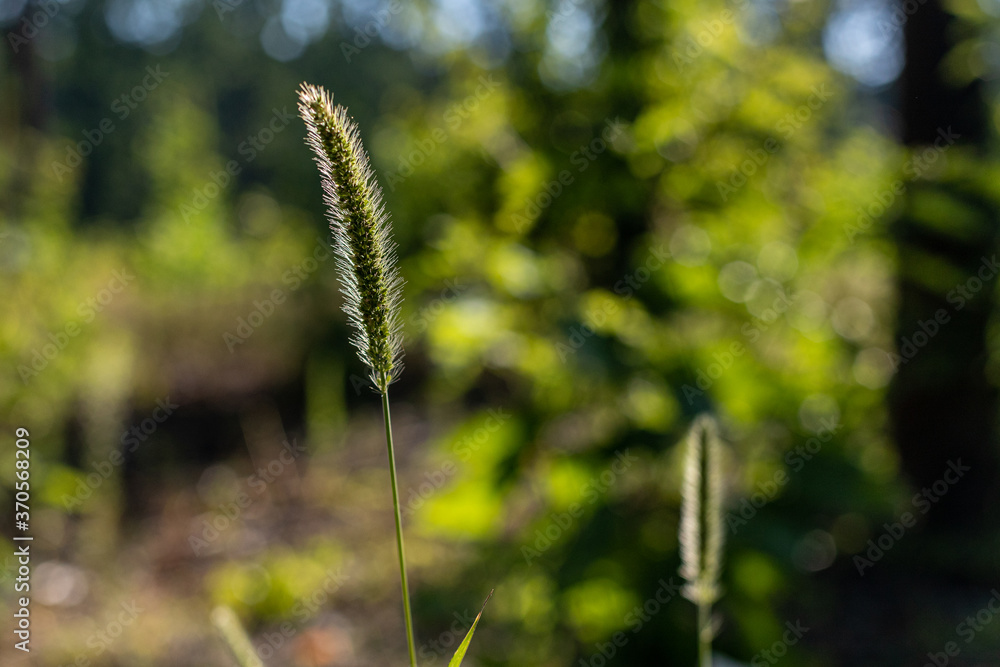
{"x": 464, "y": 646}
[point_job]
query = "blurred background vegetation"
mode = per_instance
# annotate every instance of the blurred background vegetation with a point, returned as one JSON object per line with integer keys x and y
{"x": 611, "y": 216}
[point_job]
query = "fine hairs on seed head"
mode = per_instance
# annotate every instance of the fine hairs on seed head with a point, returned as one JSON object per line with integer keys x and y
{"x": 701, "y": 535}
{"x": 362, "y": 235}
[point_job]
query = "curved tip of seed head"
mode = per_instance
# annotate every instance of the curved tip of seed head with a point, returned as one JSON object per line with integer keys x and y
{"x": 362, "y": 237}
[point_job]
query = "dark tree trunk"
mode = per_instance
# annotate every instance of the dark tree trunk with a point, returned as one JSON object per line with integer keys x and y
{"x": 942, "y": 406}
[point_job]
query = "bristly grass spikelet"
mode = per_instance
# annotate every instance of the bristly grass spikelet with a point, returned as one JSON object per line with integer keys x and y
{"x": 370, "y": 281}
{"x": 362, "y": 243}
{"x": 366, "y": 260}
{"x": 701, "y": 533}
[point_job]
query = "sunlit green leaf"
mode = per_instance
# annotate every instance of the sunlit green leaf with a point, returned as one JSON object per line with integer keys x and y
{"x": 456, "y": 661}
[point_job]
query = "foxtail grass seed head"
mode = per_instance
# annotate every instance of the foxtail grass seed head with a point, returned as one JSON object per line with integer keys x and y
{"x": 362, "y": 235}
{"x": 701, "y": 533}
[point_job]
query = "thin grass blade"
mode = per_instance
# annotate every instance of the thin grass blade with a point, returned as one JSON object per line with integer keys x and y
{"x": 231, "y": 630}
{"x": 456, "y": 661}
